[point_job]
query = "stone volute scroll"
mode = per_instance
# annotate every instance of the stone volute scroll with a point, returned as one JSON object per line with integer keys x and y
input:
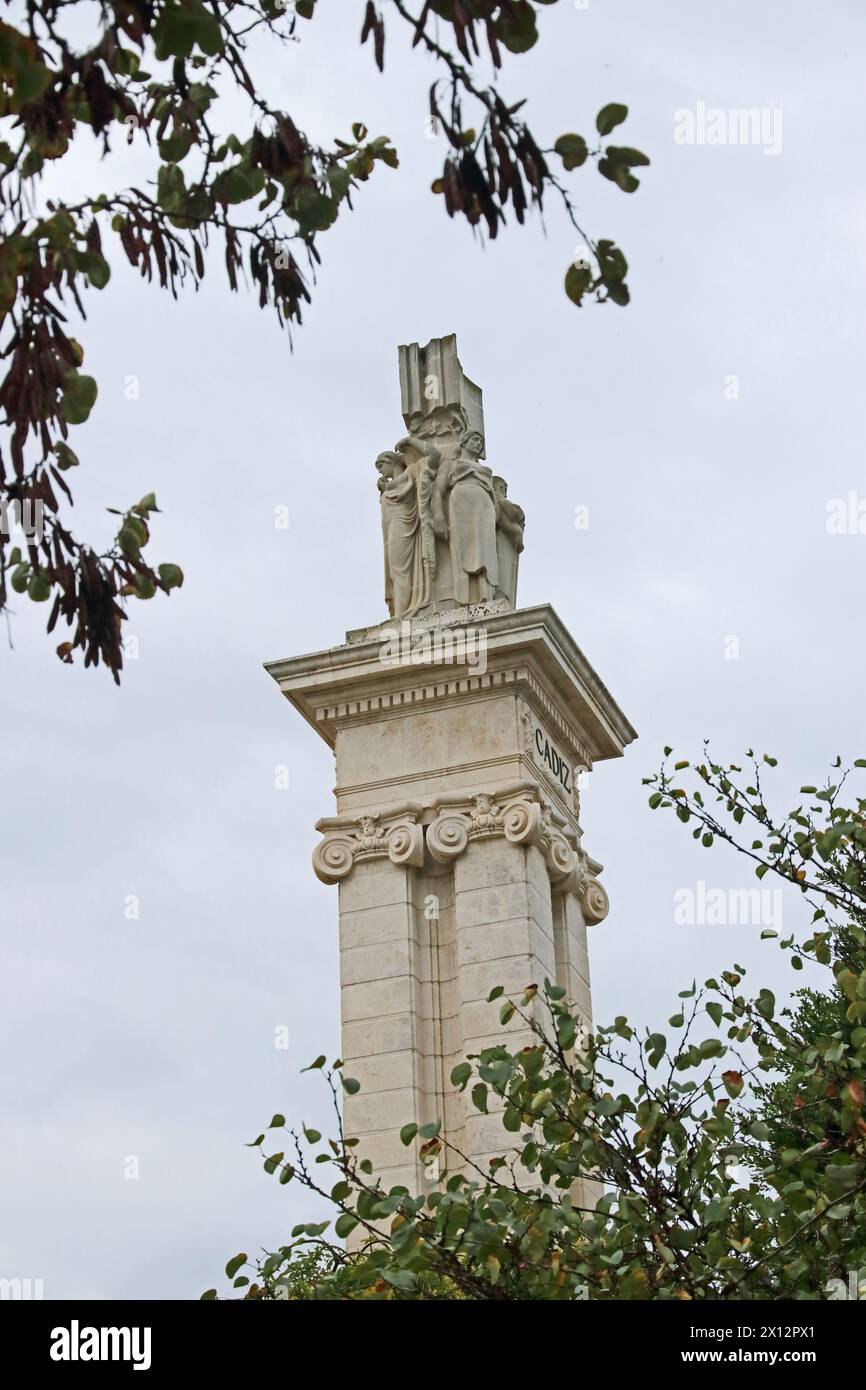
{"x": 397, "y": 835}
{"x": 414, "y": 835}
{"x": 451, "y": 535}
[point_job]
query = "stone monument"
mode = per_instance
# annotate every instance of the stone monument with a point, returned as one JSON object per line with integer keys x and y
{"x": 463, "y": 728}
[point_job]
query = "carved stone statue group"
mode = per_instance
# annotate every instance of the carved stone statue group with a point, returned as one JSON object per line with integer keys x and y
{"x": 450, "y": 533}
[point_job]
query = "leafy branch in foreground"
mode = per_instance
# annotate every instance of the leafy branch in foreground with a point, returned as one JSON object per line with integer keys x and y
{"x": 634, "y": 1165}
{"x": 163, "y": 73}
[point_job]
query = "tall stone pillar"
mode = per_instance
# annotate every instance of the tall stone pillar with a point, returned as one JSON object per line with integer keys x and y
{"x": 461, "y": 734}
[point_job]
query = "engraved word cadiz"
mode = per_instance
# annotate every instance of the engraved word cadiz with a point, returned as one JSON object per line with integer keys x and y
{"x": 559, "y": 767}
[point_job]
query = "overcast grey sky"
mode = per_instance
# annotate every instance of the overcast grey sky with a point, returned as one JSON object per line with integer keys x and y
{"x": 155, "y": 1038}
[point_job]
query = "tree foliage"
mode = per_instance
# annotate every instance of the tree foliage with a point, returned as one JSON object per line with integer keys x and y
{"x": 164, "y": 72}
{"x": 713, "y": 1183}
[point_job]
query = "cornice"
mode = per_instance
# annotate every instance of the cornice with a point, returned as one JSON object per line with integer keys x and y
{"x": 527, "y": 647}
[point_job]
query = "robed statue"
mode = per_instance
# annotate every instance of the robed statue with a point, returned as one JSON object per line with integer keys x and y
{"x": 428, "y": 497}
{"x": 451, "y": 535}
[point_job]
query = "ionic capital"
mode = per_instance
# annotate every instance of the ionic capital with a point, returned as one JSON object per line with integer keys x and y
{"x": 349, "y": 838}
{"x": 442, "y": 828}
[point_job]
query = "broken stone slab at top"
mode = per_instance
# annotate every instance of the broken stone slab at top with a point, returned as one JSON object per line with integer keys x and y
{"x": 452, "y": 537}
{"x": 431, "y": 379}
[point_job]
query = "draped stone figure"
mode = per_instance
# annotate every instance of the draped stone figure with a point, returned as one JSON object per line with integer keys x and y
{"x": 451, "y": 535}
{"x": 510, "y": 523}
{"x": 400, "y": 533}
{"x": 466, "y": 488}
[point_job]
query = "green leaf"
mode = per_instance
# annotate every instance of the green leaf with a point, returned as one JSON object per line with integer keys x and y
{"x": 65, "y": 456}
{"x": 238, "y": 184}
{"x": 175, "y": 147}
{"x": 234, "y": 1265}
{"x": 38, "y": 588}
{"x": 315, "y": 1066}
{"x": 31, "y": 80}
{"x": 461, "y": 1074}
{"x": 617, "y": 166}
{"x": 407, "y": 1134}
{"x": 277, "y": 1122}
{"x": 96, "y": 268}
{"x": 572, "y": 150}
{"x": 613, "y": 268}
{"x": 180, "y": 27}
{"x": 655, "y": 1047}
{"x": 171, "y": 188}
{"x": 78, "y": 398}
{"x": 479, "y": 1097}
{"x": 578, "y": 279}
{"x": 345, "y": 1224}
{"x": 313, "y": 211}
{"x": 609, "y": 116}
{"x": 632, "y": 158}
{"x": 136, "y": 528}
{"x": 316, "y": 1228}
{"x": 766, "y": 1003}
{"x": 129, "y": 541}
{"x": 351, "y": 1086}
{"x": 844, "y": 1175}
{"x": 516, "y": 27}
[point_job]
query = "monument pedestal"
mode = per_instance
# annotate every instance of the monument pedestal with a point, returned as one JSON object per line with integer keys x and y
{"x": 459, "y": 741}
